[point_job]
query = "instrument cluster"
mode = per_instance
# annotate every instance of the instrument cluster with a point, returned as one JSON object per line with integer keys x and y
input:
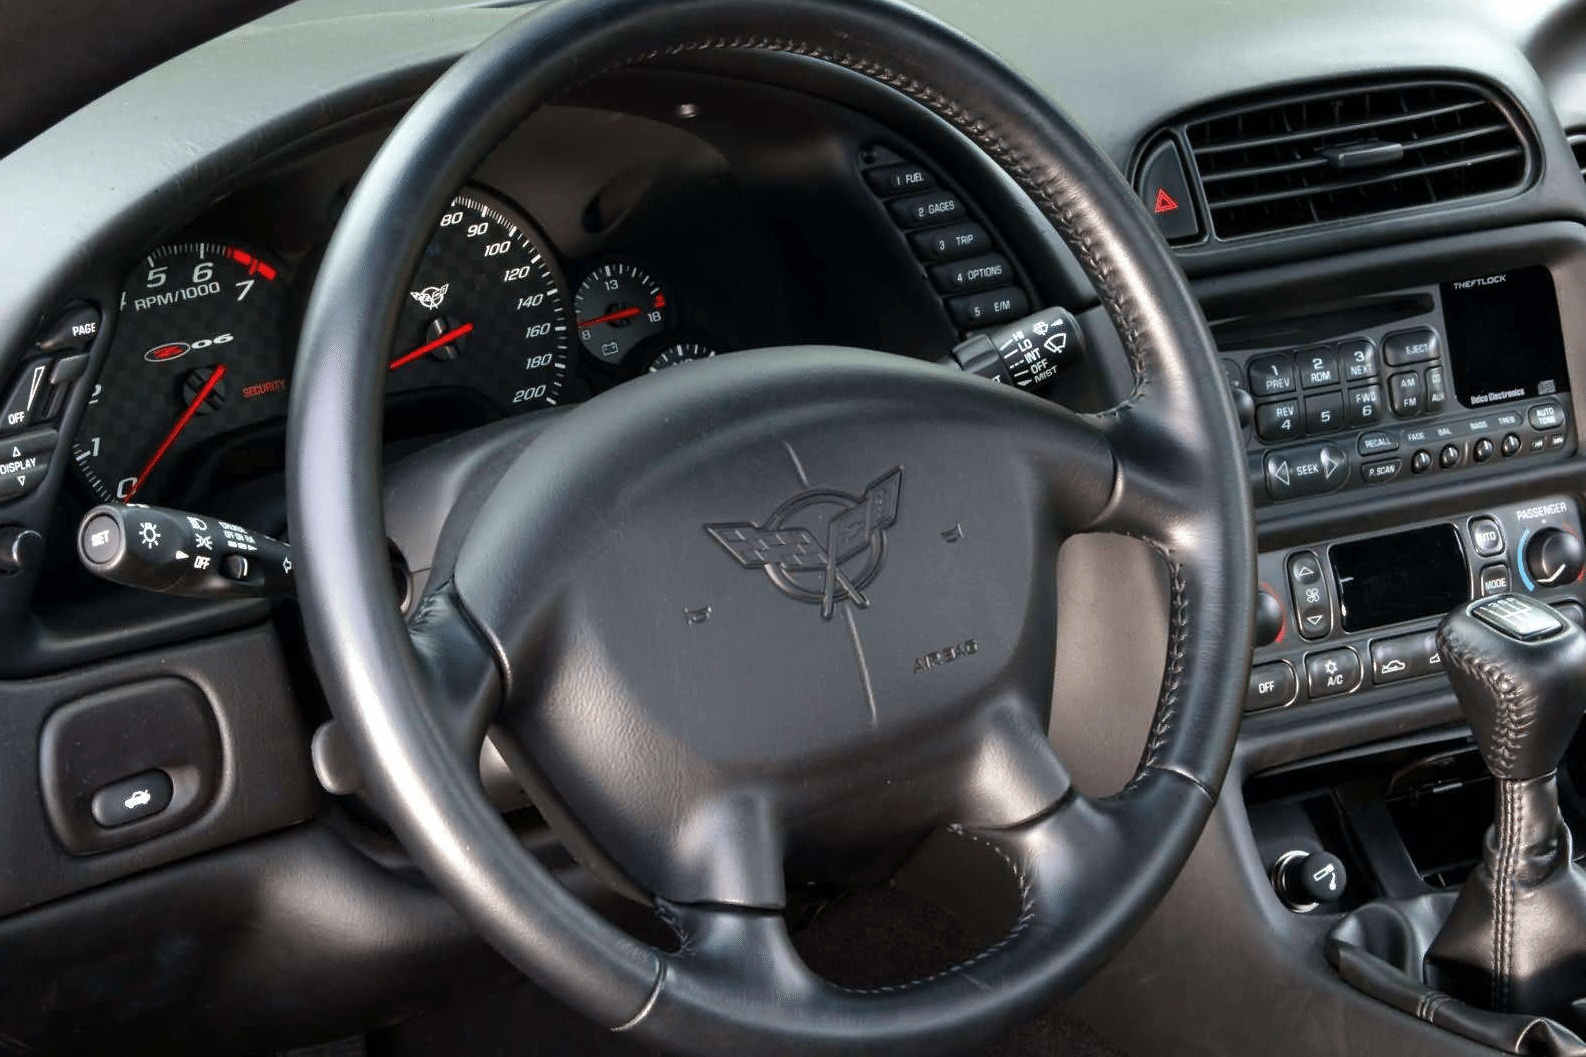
{"x": 194, "y": 390}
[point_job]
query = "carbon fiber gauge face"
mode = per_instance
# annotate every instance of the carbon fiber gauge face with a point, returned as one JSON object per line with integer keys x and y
{"x": 485, "y": 311}
{"x": 198, "y": 352}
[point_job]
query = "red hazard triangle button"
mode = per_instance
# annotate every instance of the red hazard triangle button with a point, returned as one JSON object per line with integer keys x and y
{"x": 1164, "y": 202}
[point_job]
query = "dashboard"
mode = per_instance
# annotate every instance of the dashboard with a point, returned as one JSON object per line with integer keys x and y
{"x": 1408, "y": 382}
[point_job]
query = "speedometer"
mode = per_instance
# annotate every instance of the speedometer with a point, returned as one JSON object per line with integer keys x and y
{"x": 485, "y": 311}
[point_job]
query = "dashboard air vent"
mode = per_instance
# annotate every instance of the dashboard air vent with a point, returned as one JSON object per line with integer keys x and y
{"x": 1343, "y": 154}
{"x": 1577, "y": 147}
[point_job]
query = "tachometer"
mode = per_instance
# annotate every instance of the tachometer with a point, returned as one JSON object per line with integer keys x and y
{"x": 485, "y": 311}
{"x": 198, "y": 352}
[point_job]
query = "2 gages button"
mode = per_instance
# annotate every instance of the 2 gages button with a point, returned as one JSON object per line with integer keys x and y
{"x": 1332, "y": 672}
{"x": 1271, "y": 686}
{"x": 937, "y": 207}
{"x": 132, "y": 798}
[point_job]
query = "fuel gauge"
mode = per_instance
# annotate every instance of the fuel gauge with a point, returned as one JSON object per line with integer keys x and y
{"x": 681, "y": 352}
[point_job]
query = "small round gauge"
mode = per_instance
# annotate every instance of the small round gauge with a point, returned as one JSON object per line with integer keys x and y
{"x": 681, "y": 352}
{"x": 617, "y": 306}
{"x": 198, "y": 352}
{"x": 485, "y": 311}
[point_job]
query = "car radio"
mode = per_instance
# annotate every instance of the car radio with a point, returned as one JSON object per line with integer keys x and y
{"x": 1450, "y": 377}
{"x": 1343, "y": 617}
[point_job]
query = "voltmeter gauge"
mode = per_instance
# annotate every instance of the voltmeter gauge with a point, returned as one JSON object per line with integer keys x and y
{"x": 617, "y": 306}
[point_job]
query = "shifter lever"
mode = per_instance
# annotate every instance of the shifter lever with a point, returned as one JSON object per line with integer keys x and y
{"x": 1516, "y": 940}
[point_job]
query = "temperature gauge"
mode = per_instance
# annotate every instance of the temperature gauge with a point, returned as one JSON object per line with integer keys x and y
{"x": 681, "y": 352}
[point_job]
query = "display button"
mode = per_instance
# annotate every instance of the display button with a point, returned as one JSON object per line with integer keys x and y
{"x": 1165, "y": 190}
{"x": 1510, "y": 445}
{"x": 1365, "y": 406}
{"x": 1436, "y": 390}
{"x": 132, "y": 798}
{"x": 1332, "y": 672}
{"x": 1545, "y": 417}
{"x": 1357, "y": 359}
{"x": 950, "y": 243}
{"x": 1405, "y": 395}
{"x": 1271, "y": 375}
{"x": 1486, "y": 535}
{"x": 1272, "y": 685}
{"x": 1279, "y": 421}
{"x": 1421, "y": 461}
{"x": 1410, "y": 346}
{"x": 1494, "y": 579}
{"x": 1377, "y": 443}
{"x": 936, "y": 207}
{"x": 1399, "y": 658}
{"x": 1318, "y": 367}
{"x": 1483, "y": 449}
{"x": 1450, "y": 457}
{"x": 1381, "y": 472}
{"x": 973, "y": 273}
{"x": 993, "y": 306}
{"x": 23, "y": 403}
{"x": 1312, "y": 606}
{"x": 896, "y": 179}
{"x": 1324, "y": 413}
{"x": 24, "y": 462}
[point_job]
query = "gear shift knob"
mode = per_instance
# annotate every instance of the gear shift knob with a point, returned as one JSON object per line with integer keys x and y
{"x": 1519, "y": 670}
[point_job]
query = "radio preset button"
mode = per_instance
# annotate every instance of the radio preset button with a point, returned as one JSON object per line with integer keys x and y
{"x": 1271, "y": 686}
{"x": 1405, "y": 395}
{"x": 1279, "y": 421}
{"x": 1494, "y": 579}
{"x": 1381, "y": 472}
{"x": 1546, "y": 417}
{"x": 1332, "y": 672}
{"x": 1410, "y": 346}
{"x": 1486, "y": 535}
{"x": 1377, "y": 443}
{"x": 1324, "y": 413}
{"x": 1271, "y": 375}
{"x": 1365, "y": 405}
{"x": 1318, "y": 367}
{"x": 1357, "y": 358}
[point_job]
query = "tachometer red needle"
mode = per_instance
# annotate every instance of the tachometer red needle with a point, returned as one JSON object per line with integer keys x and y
{"x": 430, "y": 346}
{"x": 176, "y": 430}
{"x": 612, "y": 317}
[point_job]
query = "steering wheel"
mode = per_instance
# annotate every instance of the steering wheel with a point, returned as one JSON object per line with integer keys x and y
{"x": 730, "y": 658}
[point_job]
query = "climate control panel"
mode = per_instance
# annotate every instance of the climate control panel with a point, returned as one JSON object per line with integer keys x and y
{"x": 1354, "y": 615}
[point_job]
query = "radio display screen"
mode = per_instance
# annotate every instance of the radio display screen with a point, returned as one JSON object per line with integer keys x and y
{"x": 1504, "y": 338}
{"x": 1404, "y": 576}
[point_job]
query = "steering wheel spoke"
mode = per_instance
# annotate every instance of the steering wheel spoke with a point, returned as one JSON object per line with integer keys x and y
{"x": 460, "y": 676}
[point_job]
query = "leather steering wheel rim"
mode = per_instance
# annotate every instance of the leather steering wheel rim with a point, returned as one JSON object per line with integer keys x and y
{"x": 1167, "y": 467}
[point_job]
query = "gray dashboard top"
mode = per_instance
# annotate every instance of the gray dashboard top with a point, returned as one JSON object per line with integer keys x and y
{"x": 170, "y": 141}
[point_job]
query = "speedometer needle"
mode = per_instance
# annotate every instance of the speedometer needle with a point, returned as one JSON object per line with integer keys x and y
{"x": 430, "y": 346}
{"x": 176, "y": 430}
{"x": 612, "y": 317}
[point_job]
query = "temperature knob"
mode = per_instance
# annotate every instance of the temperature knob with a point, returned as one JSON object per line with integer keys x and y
{"x": 1554, "y": 557}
